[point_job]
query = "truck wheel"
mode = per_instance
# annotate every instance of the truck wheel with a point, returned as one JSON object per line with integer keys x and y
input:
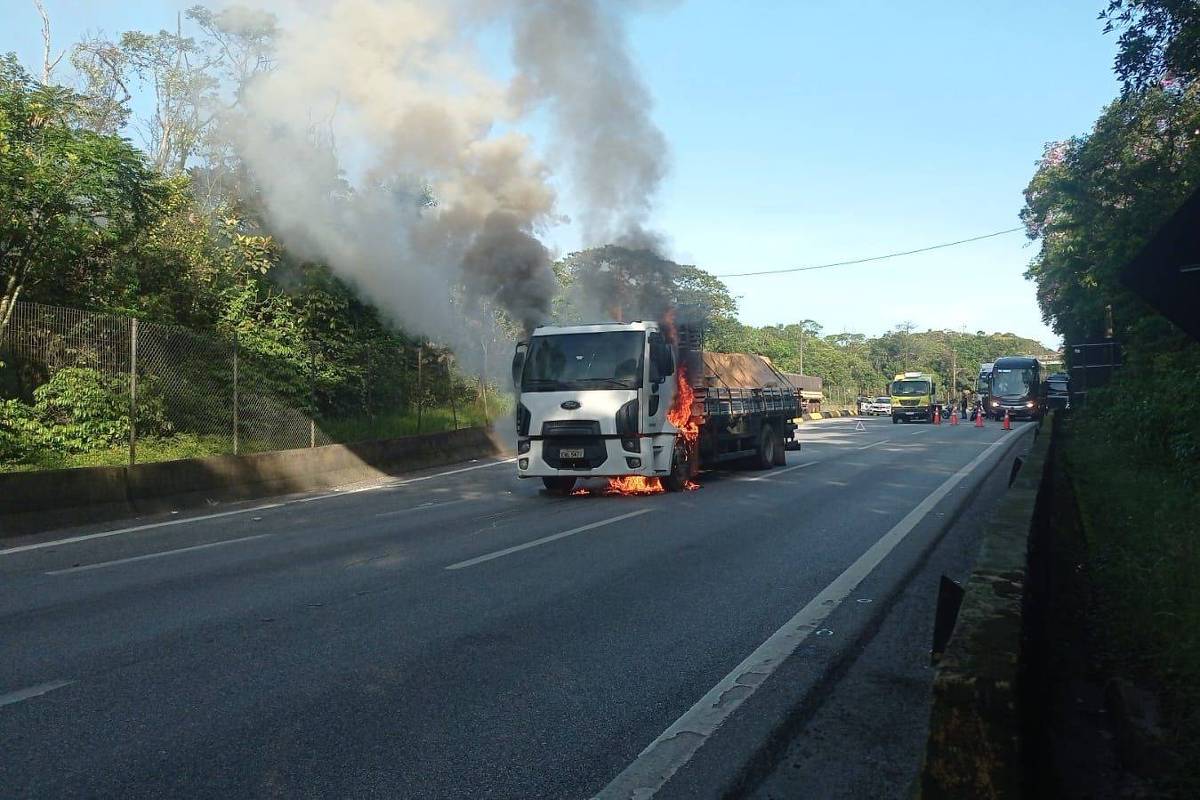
{"x": 765, "y": 457}
{"x": 681, "y": 467}
{"x": 559, "y": 486}
{"x": 895, "y": 419}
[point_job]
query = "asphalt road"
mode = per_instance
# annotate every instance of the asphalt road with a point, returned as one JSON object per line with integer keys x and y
{"x": 462, "y": 634}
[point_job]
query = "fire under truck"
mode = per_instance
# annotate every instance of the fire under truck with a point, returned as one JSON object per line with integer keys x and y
{"x": 644, "y": 405}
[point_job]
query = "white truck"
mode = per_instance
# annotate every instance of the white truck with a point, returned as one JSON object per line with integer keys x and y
{"x": 638, "y": 399}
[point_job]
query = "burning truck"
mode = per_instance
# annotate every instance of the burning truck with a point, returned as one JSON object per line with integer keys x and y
{"x": 644, "y": 405}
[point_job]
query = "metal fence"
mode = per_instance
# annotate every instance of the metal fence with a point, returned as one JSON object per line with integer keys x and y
{"x": 177, "y": 381}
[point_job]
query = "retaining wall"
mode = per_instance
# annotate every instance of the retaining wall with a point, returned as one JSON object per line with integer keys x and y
{"x": 37, "y": 501}
{"x": 976, "y": 726}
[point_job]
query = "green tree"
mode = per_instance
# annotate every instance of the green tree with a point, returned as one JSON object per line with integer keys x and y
{"x": 1159, "y": 41}
{"x": 69, "y": 197}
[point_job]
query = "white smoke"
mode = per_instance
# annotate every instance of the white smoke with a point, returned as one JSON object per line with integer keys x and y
{"x": 379, "y": 144}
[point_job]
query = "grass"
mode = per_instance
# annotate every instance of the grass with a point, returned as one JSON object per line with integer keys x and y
{"x": 1143, "y": 544}
{"x": 170, "y": 448}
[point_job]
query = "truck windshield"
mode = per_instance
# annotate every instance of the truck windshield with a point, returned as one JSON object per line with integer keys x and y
{"x": 563, "y": 362}
{"x": 1012, "y": 382}
{"x": 910, "y": 388}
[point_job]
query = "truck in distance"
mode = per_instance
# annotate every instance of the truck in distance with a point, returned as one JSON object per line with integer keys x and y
{"x": 643, "y": 402}
{"x": 912, "y": 397}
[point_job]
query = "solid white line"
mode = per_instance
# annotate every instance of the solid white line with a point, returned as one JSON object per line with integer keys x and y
{"x": 675, "y": 746}
{"x": 775, "y": 472}
{"x": 554, "y": 537}
{"x": 32, "y": 691}
{"x": 451, "y": 472}
{"x": 149, "y": 556}
{"x": 873, "y": 444}
{"x": 219, "y": 514}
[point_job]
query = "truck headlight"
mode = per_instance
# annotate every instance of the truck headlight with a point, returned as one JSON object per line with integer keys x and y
{"x": 523, "y": 445}
{"x": 1029, "y": 404}
{"x": 995, "y": 403}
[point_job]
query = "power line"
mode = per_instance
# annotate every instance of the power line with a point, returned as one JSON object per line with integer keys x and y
{"x": 865, "y": 260}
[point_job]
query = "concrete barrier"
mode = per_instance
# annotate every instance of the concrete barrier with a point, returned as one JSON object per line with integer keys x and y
{"x": 37, "y": 501}
{"x": 975, "y": 731}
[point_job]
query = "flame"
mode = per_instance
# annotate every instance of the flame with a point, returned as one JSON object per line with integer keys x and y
{"x": 680, "y": 413}
{"x": 634, "y": 484}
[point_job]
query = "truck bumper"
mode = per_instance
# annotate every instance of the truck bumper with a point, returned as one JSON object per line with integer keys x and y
{"x": 911, "y": 413}
{"x": 602, "y": 458}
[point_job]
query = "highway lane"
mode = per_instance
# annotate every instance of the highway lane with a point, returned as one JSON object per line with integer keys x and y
{"x": 363, "y": 645}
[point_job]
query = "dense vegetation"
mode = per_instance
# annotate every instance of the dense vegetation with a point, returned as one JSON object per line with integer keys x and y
{"x": 1094, "y": 201}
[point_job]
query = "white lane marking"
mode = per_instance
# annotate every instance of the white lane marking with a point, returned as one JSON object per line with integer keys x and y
{"x": 923, "y": 430}
{"x": 32, "y": 691}
{"x": 675, "y": 746}
{"x": 219, "y": 514}
{"x": 545, "y": 539}
{"x": 776, "y": 472}
{"x": 451, "y": 472}
{"x": 873, "y": 444}
{"x": 422, "y": 507}
{"x": 149, "y": 556}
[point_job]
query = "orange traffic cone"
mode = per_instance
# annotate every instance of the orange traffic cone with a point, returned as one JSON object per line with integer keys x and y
{"x": 1007, "y": 422}
{"x": 954, "y": 416}
{"x": 937, "y": 415}
{"x": 979, "y": 418}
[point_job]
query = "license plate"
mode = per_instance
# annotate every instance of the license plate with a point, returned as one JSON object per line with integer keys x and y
{"x": 570, "y": 452}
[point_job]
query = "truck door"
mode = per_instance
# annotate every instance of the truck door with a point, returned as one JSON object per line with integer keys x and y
{"x": 657, "y": 388}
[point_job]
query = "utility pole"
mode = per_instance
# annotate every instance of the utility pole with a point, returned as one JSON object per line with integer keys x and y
{"x": 801, "y": 348}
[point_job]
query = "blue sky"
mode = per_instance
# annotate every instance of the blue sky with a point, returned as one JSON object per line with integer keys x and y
{"x": 808, "y": 132}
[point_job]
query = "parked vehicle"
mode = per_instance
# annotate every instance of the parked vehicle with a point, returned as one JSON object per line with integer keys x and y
{"x": 1017, "y": 388}
{"x": 1058, "y": 391}
{"x": 619, "y": 399}
{"x": 880, "y": 406}
{"x": 912, "y": 397}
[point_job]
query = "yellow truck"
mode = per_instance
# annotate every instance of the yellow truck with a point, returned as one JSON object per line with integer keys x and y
{"x": 912, "y": 397}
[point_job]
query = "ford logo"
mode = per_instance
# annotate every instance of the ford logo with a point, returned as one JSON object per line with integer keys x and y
{"x": 570, "y": 405}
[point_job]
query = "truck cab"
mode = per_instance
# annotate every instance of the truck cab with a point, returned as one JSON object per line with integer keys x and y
{"x": 912, "y": 396}
{"x": 594, "y": 402}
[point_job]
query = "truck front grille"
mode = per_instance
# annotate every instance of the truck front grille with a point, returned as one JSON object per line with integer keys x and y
{"x": 571, "y": 427}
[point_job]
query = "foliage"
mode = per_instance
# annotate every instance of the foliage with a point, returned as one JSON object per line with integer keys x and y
{"x": 1159, "y": 41}
{"x": 69, "y": 197}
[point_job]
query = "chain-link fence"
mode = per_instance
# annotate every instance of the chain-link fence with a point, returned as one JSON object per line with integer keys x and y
{"x": 76, "y": 381}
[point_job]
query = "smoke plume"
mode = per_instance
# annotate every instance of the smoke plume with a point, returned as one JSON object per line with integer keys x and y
{"x": 380, "y": 144}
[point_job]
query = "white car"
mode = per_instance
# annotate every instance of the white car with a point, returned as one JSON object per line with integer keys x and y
{"x": 880, "y": 405}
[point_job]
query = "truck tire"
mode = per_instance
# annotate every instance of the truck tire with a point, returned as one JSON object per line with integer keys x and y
{"x": 895, "y": 419}
{"x": 780, "y": 451}
{"x": 559, "y": 486}
{"x": 764, "y": 458}
{"x": 681, "y": 467}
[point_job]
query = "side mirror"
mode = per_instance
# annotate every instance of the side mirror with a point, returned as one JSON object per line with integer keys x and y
{"x": 518, "y": 362}
{"x": 656, "y": 377}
